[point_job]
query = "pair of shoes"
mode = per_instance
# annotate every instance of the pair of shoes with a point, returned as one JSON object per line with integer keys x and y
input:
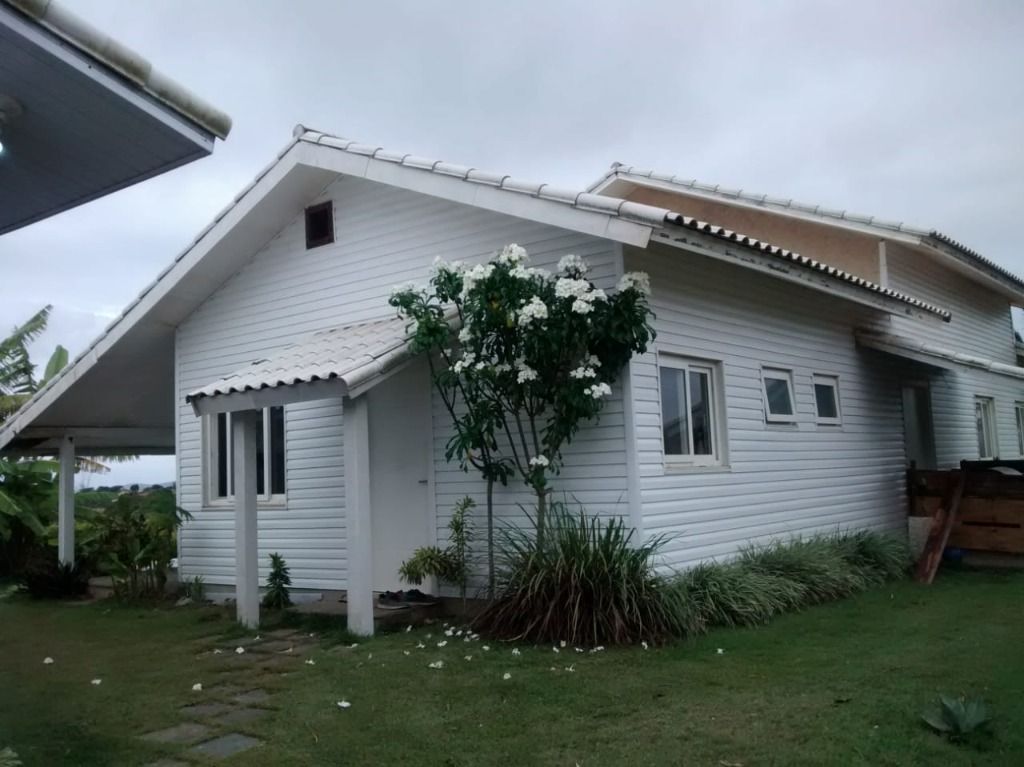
{"x": 392, "y": 600}
{"x": 417, "y": 597}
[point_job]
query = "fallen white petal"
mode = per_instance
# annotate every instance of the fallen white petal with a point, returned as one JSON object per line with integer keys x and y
{"x": 240, "y": 651}
{"x": 353, "y": 646}
{"x": 310, "y": 662}
{"x": 96, "y": 682}
{"x": 442, "y": 643}
{"x": 486, "y": 648}
{"x": 644, "y": 645}
{"x": 344, "y": 704}
{"x": 217, "y": 651}
{"x": 721, "y": 651}
{"x": 436, "y": 664}
{"x": 47, "y": 661}
{"x": 469, "y": 657}
{"x": 197, "y": 687}
{"x": 408, "y": 628}
{"x": 507, "y": 676}
{"x": 406, "y": 652}
{"x": 420, "y": 646}
{"x": 562, "y": 643}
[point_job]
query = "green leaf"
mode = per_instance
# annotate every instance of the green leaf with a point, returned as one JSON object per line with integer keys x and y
{"x": 57, "y": 362}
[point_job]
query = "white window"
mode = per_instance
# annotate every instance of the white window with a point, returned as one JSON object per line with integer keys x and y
{"x": 690, "y": 399}
{"x": 778, "y": 395}
{"x": 270, "y": 458}
{"x": 985, "y": 421}
{"x": 826, "y": 399}
{"x": 1019, "y": 408}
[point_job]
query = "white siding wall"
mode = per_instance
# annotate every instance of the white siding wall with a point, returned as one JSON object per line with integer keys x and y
{"x": 781, "y": 479}
{"x": 981, "y": 326}
{"x": 384, "y": 237}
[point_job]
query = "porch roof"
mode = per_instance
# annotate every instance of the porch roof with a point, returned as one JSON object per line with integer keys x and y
{"x": 922, "y": 351}
{"x": 339, "y": 362}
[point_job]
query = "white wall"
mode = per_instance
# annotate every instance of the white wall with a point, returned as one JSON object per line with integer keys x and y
{"x": 781, "y": 479}
{"x": 384, "y": 236}
{"x": 981, "y": 326}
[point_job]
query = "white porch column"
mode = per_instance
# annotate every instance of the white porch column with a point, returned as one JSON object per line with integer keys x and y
{"x": 247, "y": 581}
{"x": 357, "y": 516}
{"x": 66, "y": 502}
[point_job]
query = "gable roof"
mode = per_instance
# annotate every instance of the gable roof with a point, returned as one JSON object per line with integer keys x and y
{"x": 309, "y": 163}
{"x": 929, "y": 238}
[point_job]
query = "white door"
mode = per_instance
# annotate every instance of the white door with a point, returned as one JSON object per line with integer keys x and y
{"x": 399, "y": 413}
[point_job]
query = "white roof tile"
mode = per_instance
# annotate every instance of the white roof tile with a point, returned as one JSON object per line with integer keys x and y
{"x": 353, "y": 354}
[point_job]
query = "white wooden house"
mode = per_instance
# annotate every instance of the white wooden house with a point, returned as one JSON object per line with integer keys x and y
{"x": 785, "y": 394}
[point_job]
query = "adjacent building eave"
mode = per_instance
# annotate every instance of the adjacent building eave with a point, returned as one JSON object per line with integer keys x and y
{"x": 931, "y": 354}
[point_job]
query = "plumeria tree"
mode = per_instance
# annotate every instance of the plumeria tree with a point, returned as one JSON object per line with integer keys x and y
{"x": 522, "y": 358}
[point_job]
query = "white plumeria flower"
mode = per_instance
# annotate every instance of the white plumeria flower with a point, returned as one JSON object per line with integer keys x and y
{"x": 466, "y": 638}
{"x": 486, "y": 648}
{"x": 197, "y": 687}
{"x": 526, "y": 373}
{"x": 599, "y": 648}
{"x": 217, "y": 651}
{"x": 96, "y": 682}
{"x": 406, "y": 652}
{"x": 720, "y": 651}
{"x": 469, "y": 657}
{"x": 635, "y": 281}
{"x": 578, "y": 649}
{"x": 353, "y": 646}
{"x": 581, "y": 306}
{"x": 563, "y": 643}
{"x": 344, "y": 704}
{"x": 534, "y": 309}
{"x": 442, "y": 643}
{"x": 449, "y": 632}
{"x": 512, "y": 255}
{"x": 436, "y": 664}
{"x": 408, "y": 628}
{"x": 47, "y": 661}
{"x": 239, "y": 651}
{"x": 598, "y": 390}
{"x": 567, "y": 287}
{"x": 506, "y": 676}
{"x": 420, "y": 646}
{"x": 369, "y": 657}
{"x": 258, "y": 637}
{"x": 644, "y": 645}
{"x": 310, "y": 662}
{"x": 583, "y": 372}
{"x": 571, "y": 668}
{"x": 572, "y": 264}
{"x": 556, "y": 649}
{"x": 540, "y": 460}
{"x": 515, "y": 651}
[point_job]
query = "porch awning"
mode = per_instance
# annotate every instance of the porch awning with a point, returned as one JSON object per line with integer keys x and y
{"x": 922, "y": 351}
{"x": 340, "y": 362}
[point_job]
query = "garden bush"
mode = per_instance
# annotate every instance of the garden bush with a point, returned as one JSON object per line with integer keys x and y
{"x": 584, "y": 584}
{"x": 46, "y": 578}
{"x": 587, "y": 584}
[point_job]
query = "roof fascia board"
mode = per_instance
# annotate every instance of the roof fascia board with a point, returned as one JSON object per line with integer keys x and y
{"x": 936, "y": 358}
{"x": 74, "y": 58}
{"x": 223, "y": 224}
{"x": 257, "y": 399}
{"x": 477, "y": 195}
{"x": 794, "y": 273}
{"x": 921, "y": 241}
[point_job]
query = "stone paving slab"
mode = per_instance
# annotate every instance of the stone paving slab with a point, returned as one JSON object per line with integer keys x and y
{"x": 240, "y": 716}
{"x": 204, "y": 710}
{"x": 224, "y": 746}
{"x": 185, "y": 733}
{"x": 252, "y": 697}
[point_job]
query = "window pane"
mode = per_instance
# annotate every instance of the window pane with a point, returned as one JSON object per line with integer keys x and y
{"x": 674, "y": 426}
{"x": 277, "y": 450}
{"x": 983, "y": 421}
{"x": 779, "y": 400}
{"x": 700, "y": 413}
{"x": 221, "y": 444}
{"x": 825, "y": 396}
{"x": 261, "y": 484}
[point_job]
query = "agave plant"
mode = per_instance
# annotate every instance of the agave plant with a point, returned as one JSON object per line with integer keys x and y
{"x": 957, "y": 718}
{"x": 8, "y": 758}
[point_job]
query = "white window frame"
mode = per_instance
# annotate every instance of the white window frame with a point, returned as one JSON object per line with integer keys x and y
{"x": 1018, "y": 409}
{"x": 210, "y": 497}
{"x": 778, "y": 374}
{"x": 718, "y": 455}
{"x": 827, "y": 379}
{"x": 988, "y": 414}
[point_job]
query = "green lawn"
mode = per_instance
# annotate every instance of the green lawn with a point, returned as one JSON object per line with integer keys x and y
{"x": 838, "y": 684}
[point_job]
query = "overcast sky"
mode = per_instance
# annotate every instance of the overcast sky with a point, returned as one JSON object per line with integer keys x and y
{"x": 911, "y": 111}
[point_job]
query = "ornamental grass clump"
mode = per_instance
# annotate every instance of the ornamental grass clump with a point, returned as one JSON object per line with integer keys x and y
{"x": 587, "y": 583}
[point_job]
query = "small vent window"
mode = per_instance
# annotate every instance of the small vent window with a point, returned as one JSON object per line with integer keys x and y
{"x": 319, "y": 225}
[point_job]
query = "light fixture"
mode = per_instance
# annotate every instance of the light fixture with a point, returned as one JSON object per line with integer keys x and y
{"x": 10, "y": 110}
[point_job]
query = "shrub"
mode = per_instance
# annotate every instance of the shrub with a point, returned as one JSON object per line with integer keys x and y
{"x": 736, "y": 595}
{"x": 277, "y": 597}
{"x": 877, "y": 557}
{"x": 8, "y": 758}
{"x": 816, "y": 564}
{"x": 450, "y": 565}
{"x": 195, "y": 589}
{"x": 46, "y": 578}
{"x": 586, "y": 584}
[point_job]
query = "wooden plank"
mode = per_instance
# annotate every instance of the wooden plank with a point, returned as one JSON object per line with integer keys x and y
{"x": 942, "y": 526}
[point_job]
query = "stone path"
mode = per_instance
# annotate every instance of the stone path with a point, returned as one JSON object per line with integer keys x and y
{"x": 235, "y": 696}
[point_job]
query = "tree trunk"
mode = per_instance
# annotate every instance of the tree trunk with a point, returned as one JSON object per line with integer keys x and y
{"x": 490, "y": 538}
